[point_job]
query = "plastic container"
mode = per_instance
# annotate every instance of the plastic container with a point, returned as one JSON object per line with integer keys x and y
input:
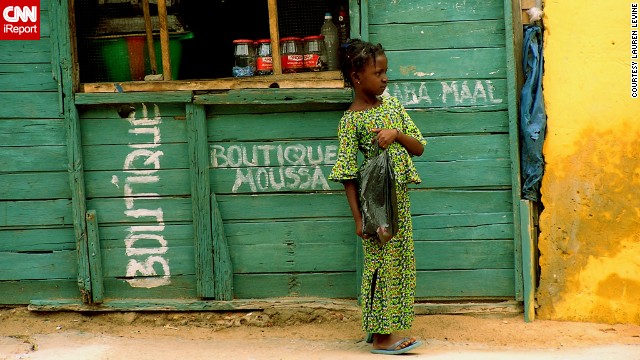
{"x": 245, "y": 58}
{"x": 330, "y": 33}
{"x": 292, "y": 59}
{"x": 264, "y": 60}
{"x": 315, "y": 53}
{"x": 126, "y": 58}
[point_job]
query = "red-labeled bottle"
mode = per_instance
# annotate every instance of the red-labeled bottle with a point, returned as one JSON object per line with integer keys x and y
{"x": 292, "y": 55}
{"x": 315, "y": 53}
{"x": 264, "y": 60}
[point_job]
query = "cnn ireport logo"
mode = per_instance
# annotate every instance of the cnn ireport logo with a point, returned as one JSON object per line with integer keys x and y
{"x": 19, "y": 20}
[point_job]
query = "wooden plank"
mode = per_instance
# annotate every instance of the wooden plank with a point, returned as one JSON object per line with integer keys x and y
{"x": 135, "y": 97}
{"x": 64, "y": 43}
{"x": 514, "y": 138}
{"x": 113, "y": 157}
{"x": 426, "y": 308}
{"x": 181, "y": 287}
{"x": 474, "y": 308}
{"x": 204, "y": 246}
{"x": 482, "y": 173}
{"x": 166, "y": 112}
{"x": 48, "y": 265}
{"x": 34, "y": 158}
{"x": 28, "y": 105}
{"x": 113, "y": 236}
{"x": 37, "y": 240}
{"x": 120, "y": 132}
{"x": 365, "y": 19}
{"x": 464, "y": 255}
{"x": 278, "y": 179}
{"x": 466, "y": 147}
{"x": 315, "y": 80}
{"x": 355, "y": 18}
{"x": 34, "y": 186}
{"x": 26, "y": 52}
{"x": 326, "y": 285}
{"x": 165, "y": 304}
{"x": 24, "y": 291}
{"x": 95, "y": 258}
{"x": 335, "y": 231}
{"x": 282, "y": 107}
{"x": 478, "y": 174}
{"x": 474, "y": 226}
{"x": 222, "y": 265}
{"x": 276, "y": 96}
{"x": 529, "y": 265}
{"x": 446, "y": 64}
{"x": 293, "y": 258}
{"x": 181, "y": 261}
{"x": 481, "y": 95}
{"x": 419, "y": 11}
{"x": 30, "y": 132}
{"x": 279, "y": 206}
{"x": 434, "y": 122}
{"x": 479, "y": 283}
{"x": 26, "y": 77}
{"x": 53, "y": 213}
{"x": 115, "y": 211}
{"x": 434, "y": 202}
{"x": 439, "y": 35}
{"x": 110, "y": 184}
{"x": 292, "y": 125}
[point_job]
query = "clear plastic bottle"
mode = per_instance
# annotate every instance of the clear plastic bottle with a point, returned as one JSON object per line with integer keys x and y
{"x": 330, "y": 33}
{"x": 245, "y": 58}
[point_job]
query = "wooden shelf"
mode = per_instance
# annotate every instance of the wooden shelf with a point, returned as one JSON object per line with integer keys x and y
{"x": 309, "y": 80}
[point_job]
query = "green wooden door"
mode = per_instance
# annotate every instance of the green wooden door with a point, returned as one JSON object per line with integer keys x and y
{"x": 448, "y": 65}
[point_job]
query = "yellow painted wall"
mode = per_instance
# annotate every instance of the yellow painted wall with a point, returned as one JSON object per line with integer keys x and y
{"x": 590, "y": 226}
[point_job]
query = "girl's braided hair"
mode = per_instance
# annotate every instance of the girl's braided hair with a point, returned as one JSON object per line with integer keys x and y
{"x": 356, "y": 55}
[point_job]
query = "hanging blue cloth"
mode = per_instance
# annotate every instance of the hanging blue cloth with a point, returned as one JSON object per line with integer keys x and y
{"x": 533, "y": 119}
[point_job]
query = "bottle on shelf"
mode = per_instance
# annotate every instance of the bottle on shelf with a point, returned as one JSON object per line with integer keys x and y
{"x": 343, "y": 25}
{"x": 330, "y": 33}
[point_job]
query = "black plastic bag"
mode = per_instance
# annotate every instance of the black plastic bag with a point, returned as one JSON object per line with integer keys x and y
{"x": 378, "y": 199}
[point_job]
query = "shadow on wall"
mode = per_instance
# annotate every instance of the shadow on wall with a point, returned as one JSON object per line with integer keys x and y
{"x": 590, "y": 243}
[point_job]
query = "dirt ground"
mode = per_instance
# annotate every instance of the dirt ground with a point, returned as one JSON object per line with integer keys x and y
{"x": 297, "y": 333}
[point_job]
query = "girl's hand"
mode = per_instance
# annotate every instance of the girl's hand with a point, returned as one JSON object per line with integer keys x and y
{"x": 386, "y": 137}
{"x": 359, "y": 229}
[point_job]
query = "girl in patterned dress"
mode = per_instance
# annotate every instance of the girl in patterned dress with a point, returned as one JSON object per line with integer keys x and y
{"x": 389, "y": 274}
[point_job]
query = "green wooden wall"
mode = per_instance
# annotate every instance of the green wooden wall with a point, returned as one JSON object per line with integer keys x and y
{"x": 264, "y": 162}
{"x": 37, "y": 245}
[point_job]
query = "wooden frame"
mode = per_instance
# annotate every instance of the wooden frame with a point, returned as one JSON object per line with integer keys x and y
{"x": 320, "y": 80}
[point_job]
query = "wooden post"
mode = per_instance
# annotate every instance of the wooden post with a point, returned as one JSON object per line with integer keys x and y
{"x": 65, "y": 43}
{"x": 529, "y": 235}
{"x": 95, "y": 259}
{"x": 201, "y": 207}
{"x": 149, "y": 30}
{"x": 514, "y": 138}
{"x": 275, "y": 36}
{"x": 164, "y": 40}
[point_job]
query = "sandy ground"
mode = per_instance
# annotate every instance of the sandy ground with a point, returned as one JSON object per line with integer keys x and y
{"x": 298, "y": 334}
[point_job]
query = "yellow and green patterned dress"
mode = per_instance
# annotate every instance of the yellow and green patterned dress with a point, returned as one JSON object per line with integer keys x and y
{"x": 389, "y": 274}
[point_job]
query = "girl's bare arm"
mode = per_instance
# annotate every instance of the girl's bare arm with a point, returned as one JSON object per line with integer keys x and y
{"x": 351, "y": 189}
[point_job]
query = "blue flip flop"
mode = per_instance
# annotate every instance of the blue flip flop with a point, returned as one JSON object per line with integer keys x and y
{"x": 369, "y": 338}
{"x": 391, "y": 350}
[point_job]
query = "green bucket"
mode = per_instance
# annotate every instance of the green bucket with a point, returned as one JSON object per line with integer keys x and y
{"x": 126, "y": 57}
